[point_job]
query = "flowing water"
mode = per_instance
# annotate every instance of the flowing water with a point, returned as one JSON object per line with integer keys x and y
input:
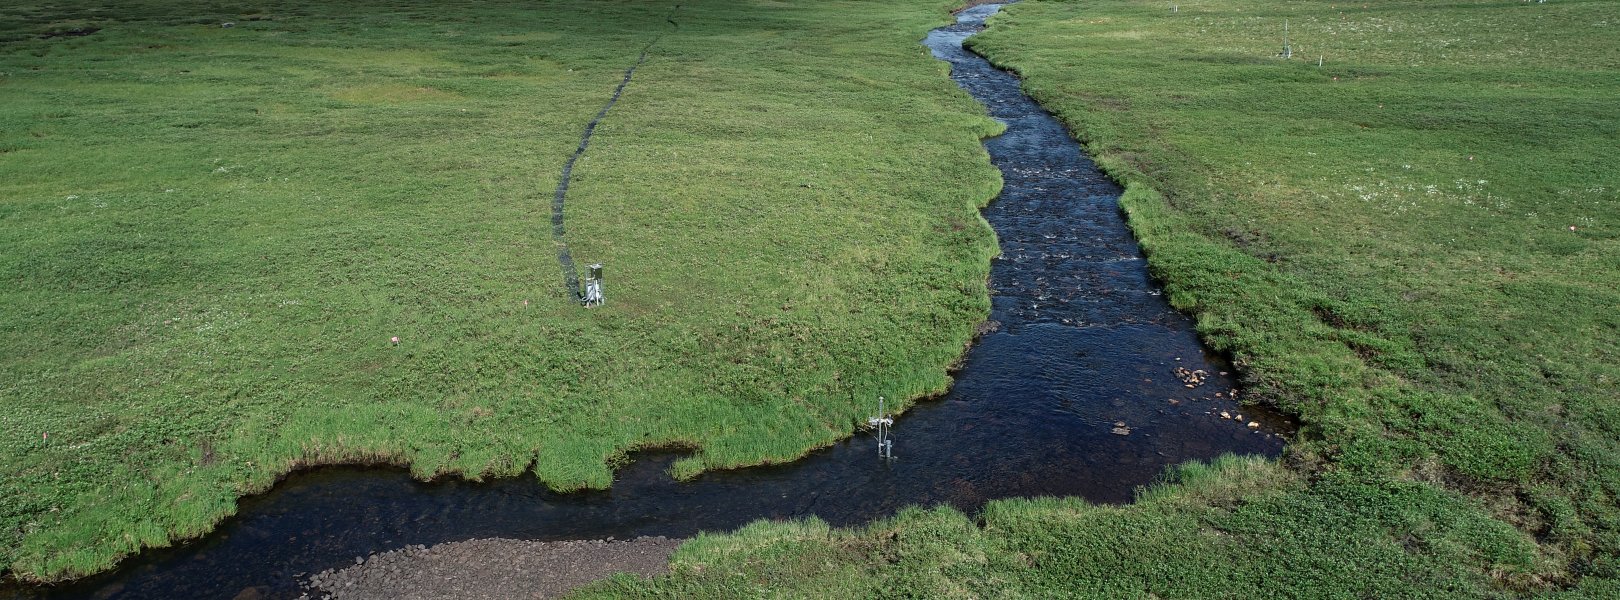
{"x": 1085, "y": 343}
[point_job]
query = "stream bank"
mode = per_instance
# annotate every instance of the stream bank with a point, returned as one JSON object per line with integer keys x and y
{"x": 1089, "y": 384}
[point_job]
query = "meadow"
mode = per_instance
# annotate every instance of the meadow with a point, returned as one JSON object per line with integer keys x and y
{"x": 1403, "y": 232}
{"x": 210, "y": 235}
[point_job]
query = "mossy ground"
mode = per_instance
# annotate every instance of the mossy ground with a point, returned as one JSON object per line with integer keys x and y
{"x": 210, "y": 235}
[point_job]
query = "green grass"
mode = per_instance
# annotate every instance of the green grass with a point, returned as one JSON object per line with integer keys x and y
{"x": 784, "y": 199}
{"x": 1241, "y": 528}
{"x": 1383, "y": 242}
{"x": 210, "y": 234}
{"x": 1384, "y": 246}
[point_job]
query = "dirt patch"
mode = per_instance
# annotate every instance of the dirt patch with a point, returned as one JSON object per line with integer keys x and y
{"x": 491, "y": 568}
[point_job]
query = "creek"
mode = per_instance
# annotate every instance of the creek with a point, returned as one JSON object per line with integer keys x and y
{"x": 1076, "y": 393}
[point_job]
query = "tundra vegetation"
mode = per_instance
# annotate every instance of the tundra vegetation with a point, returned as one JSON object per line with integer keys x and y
{"x": 784, "y": 198}
{"x": 211, "y": 234}
{"x": 1405, "y": 235}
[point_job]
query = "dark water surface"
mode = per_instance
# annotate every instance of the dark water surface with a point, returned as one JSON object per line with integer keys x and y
{"x": 1085, "y": 341}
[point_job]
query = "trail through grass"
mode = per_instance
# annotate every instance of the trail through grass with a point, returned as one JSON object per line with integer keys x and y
{"x": 210, "y": 235}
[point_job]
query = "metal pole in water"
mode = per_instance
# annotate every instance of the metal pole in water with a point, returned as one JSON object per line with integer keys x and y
{"x": 882, "y": 423}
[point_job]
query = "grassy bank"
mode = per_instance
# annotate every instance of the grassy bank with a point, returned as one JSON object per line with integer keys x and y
{"x": 211, "y": 234}
{"x": 1412, "y": 246}
{"x": 1242, "y": 528}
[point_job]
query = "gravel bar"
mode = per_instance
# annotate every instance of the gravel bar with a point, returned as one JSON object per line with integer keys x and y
{"x": 490, "y": 568}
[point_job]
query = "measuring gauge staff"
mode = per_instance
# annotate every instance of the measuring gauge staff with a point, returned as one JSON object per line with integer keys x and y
{"x": 881, "y": 423}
